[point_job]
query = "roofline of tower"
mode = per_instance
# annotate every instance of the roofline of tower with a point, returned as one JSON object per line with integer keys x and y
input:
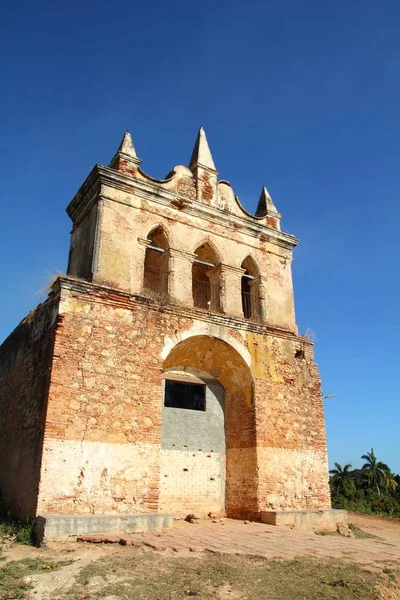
{"x": 150, "y": 190}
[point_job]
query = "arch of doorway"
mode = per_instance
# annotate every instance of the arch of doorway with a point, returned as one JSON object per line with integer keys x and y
{"x": 207, "y": 329}
{"x": 197, "y": 470}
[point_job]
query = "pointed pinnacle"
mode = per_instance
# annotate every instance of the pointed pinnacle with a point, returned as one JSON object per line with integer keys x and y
{"x": 126, "y": 146}
{"x": 265, "y": 203}
{"x": 201, "y": 155}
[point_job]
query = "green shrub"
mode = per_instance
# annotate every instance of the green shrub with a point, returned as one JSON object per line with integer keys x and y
{"x": 23, "y": 532}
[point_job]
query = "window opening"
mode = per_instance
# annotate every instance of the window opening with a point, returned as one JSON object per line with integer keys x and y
{"x": 246, "y": 298}
{"x": 250, "y": 290}
{"x": 205, "y": 280}
{"x": 190, "y": 396}
{"x": 156, "y": 264}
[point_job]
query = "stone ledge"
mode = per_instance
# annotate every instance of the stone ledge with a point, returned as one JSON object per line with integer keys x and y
{"x": 320, "y": 520}
{"x": 96, "y": 292}
{"x": 70, "y": 527}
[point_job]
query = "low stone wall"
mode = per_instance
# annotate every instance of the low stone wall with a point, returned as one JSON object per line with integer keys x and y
{"x": 306, "y": 520}
{"x": 69, "y": 527}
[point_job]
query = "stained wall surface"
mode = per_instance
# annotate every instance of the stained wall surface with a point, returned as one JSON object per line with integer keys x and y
{"x": 80, "y": 263}
{"x": 85, "y": 429}
{"x": 127, "y": 219}
{"x": 103, "y": 448}
{"x": 25, "y": 367}
{"x": 193, "y": 448}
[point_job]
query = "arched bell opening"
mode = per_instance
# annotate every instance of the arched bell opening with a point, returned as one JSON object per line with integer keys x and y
{"x": 156, "y": 264}
{"x": 251, "y": 304}
{"x": 206, "y": 286}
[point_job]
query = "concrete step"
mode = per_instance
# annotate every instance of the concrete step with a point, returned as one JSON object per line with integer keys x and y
{"x": 69, "y": 527}
{"x": 320, "y": 520}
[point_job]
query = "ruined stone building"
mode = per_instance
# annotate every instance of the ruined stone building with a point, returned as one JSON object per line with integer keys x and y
{"x": 164, "y": 373}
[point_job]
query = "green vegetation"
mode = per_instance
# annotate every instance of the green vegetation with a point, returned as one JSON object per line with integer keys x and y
{"x": 361, "y": 534}
{"x": 14, "y": 576}
{"x": 23, "y": 533}
{"x": 373, "y": 489}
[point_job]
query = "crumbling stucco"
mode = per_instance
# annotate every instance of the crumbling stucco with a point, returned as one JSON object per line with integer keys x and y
{"x": 82, "y": 381}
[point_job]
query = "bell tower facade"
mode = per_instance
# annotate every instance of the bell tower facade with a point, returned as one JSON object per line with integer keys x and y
{"x": 173, "y": 379}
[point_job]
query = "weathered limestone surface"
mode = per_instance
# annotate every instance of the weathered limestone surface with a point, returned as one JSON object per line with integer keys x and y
{"x": 56, "y": 528}
{"x": 192, "y": 459}
{"x": 307, "y": 520}
{"x": 82, "y": 380}
{"x": 25, "y": 367}
{"x": 103, "y": 436}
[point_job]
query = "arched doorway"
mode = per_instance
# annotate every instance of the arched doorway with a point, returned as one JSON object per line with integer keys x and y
{"x": 208, "y": 454}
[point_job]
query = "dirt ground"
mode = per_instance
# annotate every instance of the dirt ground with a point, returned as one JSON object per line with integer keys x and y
{"x": 383, "y": 527}
{"x": 227, "y": 560}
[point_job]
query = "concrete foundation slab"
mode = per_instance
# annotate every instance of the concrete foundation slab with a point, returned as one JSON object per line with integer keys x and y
{"x": 306, "y": 520}
{"x": 69, "y": 527}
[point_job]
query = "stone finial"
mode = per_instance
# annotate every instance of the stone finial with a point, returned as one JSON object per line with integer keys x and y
{"x": 126, "y": 146}
{"x": 125, "y": 155}
{"x": 265, "y": 204}
{"x": 201, "y": 155}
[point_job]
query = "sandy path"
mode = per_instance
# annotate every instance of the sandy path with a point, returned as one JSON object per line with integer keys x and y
{"x": 383, "y": 527}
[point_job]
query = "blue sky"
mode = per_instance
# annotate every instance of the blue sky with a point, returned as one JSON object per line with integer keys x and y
{"x": 301, "y": 96}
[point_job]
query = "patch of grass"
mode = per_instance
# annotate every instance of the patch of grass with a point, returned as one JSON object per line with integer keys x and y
{"x": 391, "y": 574}
{"x": 13, "y": 585}
{"x": 361, "y": 534}
{"x": 22, "y": 532}
{"x": 218, "y": 577}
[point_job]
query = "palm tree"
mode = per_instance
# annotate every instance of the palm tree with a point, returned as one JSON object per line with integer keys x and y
{"x": 390, "y": 481}
{"x": 376, "y": 470}
{"x": 340, "y": 477}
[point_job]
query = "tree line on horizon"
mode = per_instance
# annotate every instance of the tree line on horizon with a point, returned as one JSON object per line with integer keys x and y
{"x": 373, "y": 489}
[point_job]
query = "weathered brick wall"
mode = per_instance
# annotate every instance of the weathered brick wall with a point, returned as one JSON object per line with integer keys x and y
{"x": 205, "y": 350}
{"x": 291, "y": 440}
{"x": 193, "y": 449}
{"x": 103, "y": 429}
{"x": 25, "y": 366}
{"x": 192, "y": 482}
{"x": 102, "y": 448}
{"x": 125, "y": 219}
{"x": 102, "y": 445}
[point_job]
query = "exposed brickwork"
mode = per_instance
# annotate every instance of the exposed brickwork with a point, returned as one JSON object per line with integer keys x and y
{"x": 206, "y": 189}
{"x": 191, "y": 482}
{"x": 116, "y": 338}
{"x": 106, "y": 387}
{"x": 272, "y": 222}
{"x": 125, "y": 166}
{"x": 25, "y": 366}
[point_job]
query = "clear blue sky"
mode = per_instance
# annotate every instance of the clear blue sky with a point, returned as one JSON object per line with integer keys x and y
{"x": 301, "y": 96}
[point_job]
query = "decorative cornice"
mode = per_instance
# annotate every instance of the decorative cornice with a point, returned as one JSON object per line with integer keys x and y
{"x": 204, "y": 168}
{"x": 221, "y": 269}
{"x": 176, "y": 252}
{"x": 85, "y": 196}
{"x": 149, "y": 190}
